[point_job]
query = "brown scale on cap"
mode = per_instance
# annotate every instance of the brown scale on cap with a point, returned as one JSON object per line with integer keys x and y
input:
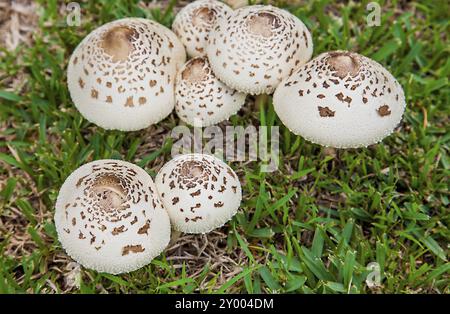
{"x": 118, "y": 230}
{"x": 384, "y": 111}
{"x": 326, "y": 112}
{"x": 129, "y": 102}
{"x": 81, "y": 83}
{"x": 144, "y": 229}
{"x": 196, "y": 218}
{"x": 132, "y": 249}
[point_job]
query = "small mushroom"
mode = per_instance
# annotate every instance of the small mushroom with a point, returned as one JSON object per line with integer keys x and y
{"x": 200, "y": 192}
{"x": 122, "y": 75}
{"x": 201, "y": 99}
{"x": 341, "y": 99}
{"x": 109, "y": 217}
{"x": 257, "y": 47}
{"x": 194, "y": 22}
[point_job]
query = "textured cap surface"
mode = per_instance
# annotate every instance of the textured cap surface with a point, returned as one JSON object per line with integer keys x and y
{"x": 201, "y": 99}
{"x": 257, "y": 47}
{"x": 200, "y": 192}
{"x": 122, "y": 75}
{"x": 194, "y": 22}
{"x": 341, "y": 99}
{"x": 109, "y": 217}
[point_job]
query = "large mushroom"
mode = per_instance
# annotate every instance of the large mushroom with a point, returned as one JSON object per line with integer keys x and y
{"x": 341, "y": 99}
{"x": 257, "y": 47}
{"x": 122, "y": 75}
{"x": 201, "y": 99}
{"x": 109, "y": 217}
{"x": 194, "y": 22}
{"x": 200, "y": 192}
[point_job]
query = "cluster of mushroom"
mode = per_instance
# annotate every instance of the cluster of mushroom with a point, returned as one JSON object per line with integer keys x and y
{"x": 131, "y": 73}
{"x": 111, "y": 217}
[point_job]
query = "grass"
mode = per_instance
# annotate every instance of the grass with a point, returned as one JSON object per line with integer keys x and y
{"x": 311, "y": 227}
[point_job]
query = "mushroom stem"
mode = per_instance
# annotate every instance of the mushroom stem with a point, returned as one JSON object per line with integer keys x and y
{"x": 175, "y": 235}
{"x": 261, "y": 101}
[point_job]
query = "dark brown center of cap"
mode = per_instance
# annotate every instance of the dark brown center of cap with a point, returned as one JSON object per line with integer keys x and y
{"x": 263, "y": 24}
{"x": 109, "y": 193}
{"x": 344, "y": 63}
{"x": 191, "y": 169}
{"x": 203, "y": 16}
{"x": 195, "y": 71}
{"x": 117, "y": 42}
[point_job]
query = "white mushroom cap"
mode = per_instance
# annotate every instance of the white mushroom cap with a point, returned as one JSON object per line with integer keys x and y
{"x": 109, "y": 217}
{"x": 200, "y": 192}
{"x": 340, "y": 99}
{"x": 194, "y": 22}
{"x": 178, "y": 49}
{"x": 122, "y": 75}
{"x": 257, "y": 47}
{"x": 201, "y": 99}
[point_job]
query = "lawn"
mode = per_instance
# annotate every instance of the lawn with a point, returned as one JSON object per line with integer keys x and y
{"x": 313, "y": 226}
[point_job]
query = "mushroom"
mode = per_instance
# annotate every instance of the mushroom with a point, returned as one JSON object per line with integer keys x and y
{"x": 340, "y": 99}
{"x": 122, "y": 75}
{"x": 257, "y": 47}
{"x": 194, "y": 22}
{"x": 200, "y": 192}
{"x": 109, "y": 217}
{"x": 200, "y": 98}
